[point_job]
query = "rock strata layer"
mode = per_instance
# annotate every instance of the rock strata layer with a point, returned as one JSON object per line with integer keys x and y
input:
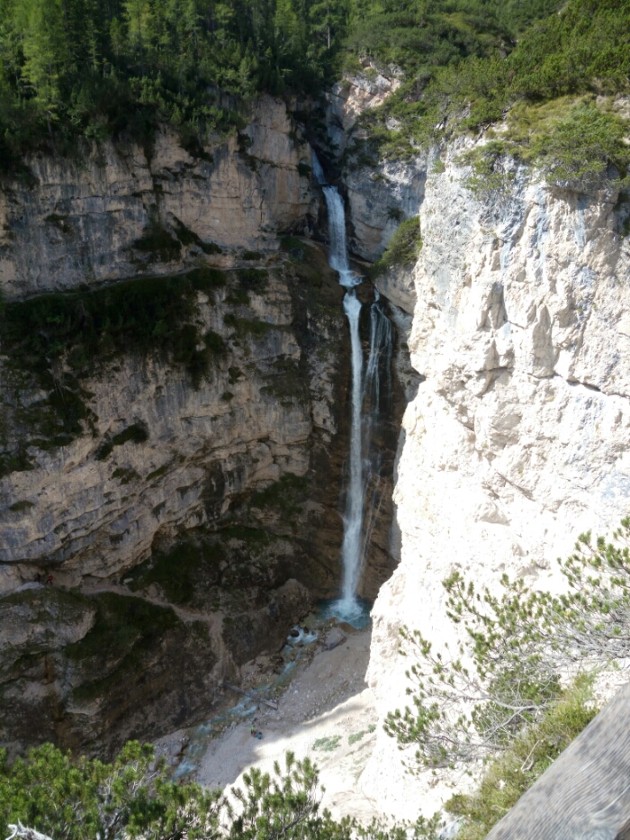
{"x": 121, "y": 209}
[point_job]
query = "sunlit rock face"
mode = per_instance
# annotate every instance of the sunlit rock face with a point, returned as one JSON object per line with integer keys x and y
{"x": 122, "y": 209}
{"x": 517, "y": 440}
{"x": 379, "y": 193}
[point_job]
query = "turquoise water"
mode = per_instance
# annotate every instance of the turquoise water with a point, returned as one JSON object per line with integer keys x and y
{"x": 352, "y": 611}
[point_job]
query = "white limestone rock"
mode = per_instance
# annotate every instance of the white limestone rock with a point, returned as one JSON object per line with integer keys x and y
{"x": 517, "y": 440}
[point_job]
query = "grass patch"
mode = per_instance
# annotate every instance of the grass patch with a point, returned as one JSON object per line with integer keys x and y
{"x": 577, "y": 144}
{"x": 507, "y": 777}
{"x": 490, "y": 168}
{"x": 327, "y": 744}
{"x": 294, "y": 247}
{"x": 402, "y": 250}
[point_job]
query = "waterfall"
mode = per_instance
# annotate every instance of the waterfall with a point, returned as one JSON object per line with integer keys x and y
{"x": 365, "y": 392}
{"x": 380, "y": 358}
{"x": 352, "y": 549}
{"x": 377, "y": 399}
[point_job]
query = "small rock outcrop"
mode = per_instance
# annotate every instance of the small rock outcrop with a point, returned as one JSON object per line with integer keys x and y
{"x": 380, "y": 193}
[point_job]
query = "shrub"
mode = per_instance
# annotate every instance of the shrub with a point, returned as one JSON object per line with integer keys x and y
{"x": 578, "y": 150}
{"x": 507, "y": 777}
{"x": 474, "y": 701}
{"x": 402, "y": 250}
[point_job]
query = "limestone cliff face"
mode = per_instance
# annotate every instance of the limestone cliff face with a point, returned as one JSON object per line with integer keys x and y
{"x": 380, "y": 193}
{"x": 178, "y": 479}
{"x": 203, "y": 509}
{"x": 517, "y": 440}
{"x": 67, "y": 223}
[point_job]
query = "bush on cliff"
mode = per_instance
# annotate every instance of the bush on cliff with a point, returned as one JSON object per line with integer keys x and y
{"x": 402, "y": 250}
{"x": 58, "y": 798}
{"x": 518, "y": 646}
{"x": 556, "y": 50}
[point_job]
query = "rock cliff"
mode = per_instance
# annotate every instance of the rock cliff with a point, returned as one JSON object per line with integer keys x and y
{"x": 379, "y": 193}
{"x": 122, "y": 209}
{"x": 517, "y": 439}
{"x": 173, "y": 428}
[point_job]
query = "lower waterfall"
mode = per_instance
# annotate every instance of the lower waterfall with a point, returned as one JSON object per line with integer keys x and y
{"x": 365, "y": 406}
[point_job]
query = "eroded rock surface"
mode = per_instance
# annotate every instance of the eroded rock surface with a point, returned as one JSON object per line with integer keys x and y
{"x": 517, "y": 441}
{"x": 169, "y": 489}
{"x": 122, "y": 210}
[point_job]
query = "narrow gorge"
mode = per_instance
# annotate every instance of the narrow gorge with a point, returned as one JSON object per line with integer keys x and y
{"x": 202, "y": 411}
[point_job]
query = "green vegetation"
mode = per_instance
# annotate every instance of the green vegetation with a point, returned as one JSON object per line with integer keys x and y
{"x": 501, "y": 692}
{"x": 158, "y": 242}
{"x": 577, "y": 148}
{"x": 54, "y": 342}
{"x": 122, "y": 625}
{"x": 507, "y": 777}
{"x": 288, "y": 494}
{"x": 492, "y": 170}
{"x": 578, "y": 144}
{"x": 402, "y": 250}
{"x": 97, "y": 68}
{"x": 86, "y": 799}
{"x": 191, "y": 566}
{"x": 519, "y": 57}
{"x": 327, "y": 743}
{"x": 80, "y": 327}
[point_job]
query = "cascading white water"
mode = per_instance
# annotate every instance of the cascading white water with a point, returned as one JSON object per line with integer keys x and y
{"x": 348, "y": 606}
{"x": 352, "y": 549}
{"x": 377, "y": 397}
{"x": 366, "y": 392}
{"x": 381, "y": 343}
{"x": 338, "y": 250}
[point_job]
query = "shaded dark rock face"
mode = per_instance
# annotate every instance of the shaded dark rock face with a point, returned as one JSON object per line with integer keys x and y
{"x": 141, "y": 667}
{"x": 383, "y": 408}
{"x": 188, "y": 541}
